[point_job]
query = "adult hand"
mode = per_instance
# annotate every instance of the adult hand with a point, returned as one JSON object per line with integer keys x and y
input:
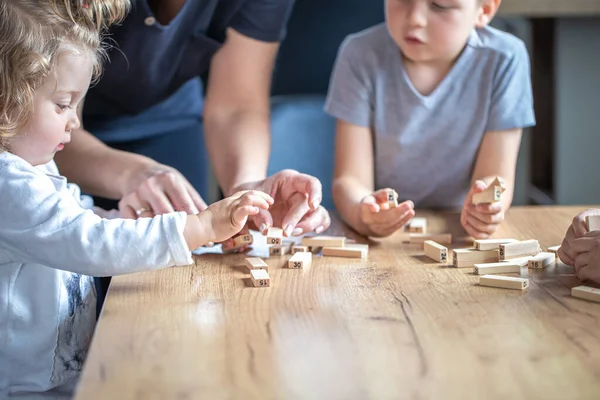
{"x": 297, "y": 203}
{"x": 159, "y": 189}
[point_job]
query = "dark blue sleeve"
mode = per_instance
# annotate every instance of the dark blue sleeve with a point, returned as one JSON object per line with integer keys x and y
{"x": 263, "y": 20}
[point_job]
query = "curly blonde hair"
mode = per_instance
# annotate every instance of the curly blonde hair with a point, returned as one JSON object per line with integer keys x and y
{"x": 32, "y": 33}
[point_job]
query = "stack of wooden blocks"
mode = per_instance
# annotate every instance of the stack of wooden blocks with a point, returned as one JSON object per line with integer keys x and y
{"x": 301, "y": 255}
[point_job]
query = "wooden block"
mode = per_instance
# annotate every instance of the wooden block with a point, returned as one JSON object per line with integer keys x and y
{"x": 442, "y": 238}
{"x": 521, "y": 261}
{"x": 243, "y": 239}
{"x": 274, "y": 236}
{"x": 299, "y": 249}
{"x": 593, "y": 222}
{"x": 586, "y": 293}
{"x": 492, "y": 194}
{"x": 324, "y": 241}
{"x": 519, "y": 249}
{"x": 504, "y": 282}
{"x": 553, "y": 249}
{"x": 465, "y": 258}
{"x": 436, "y": 251}
{"x": 276, "y": 250}
{"x": 416, "y": 225}
{"x": 260, "y": 278}
{"x": 497, "y": 268}
{"x": 239, "y": 242}
{"x": 256, "y": 263}
{"x": 392, "y": 197}
{"x": 542, "y": 260}
{"x": 349, "y": 251}
{"x": 300, "y": 260}
{"x": 492, "y": 244}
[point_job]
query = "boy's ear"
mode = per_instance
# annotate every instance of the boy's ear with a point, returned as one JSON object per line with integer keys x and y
{"x": 487, "y": 11}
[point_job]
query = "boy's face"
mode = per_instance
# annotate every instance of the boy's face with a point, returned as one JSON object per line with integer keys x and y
{"x": 430, "y": 31}
{"x": 55, "y": 110}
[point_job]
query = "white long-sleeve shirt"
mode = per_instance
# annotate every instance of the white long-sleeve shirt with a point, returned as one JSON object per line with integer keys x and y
{"x": 50, "y": 247}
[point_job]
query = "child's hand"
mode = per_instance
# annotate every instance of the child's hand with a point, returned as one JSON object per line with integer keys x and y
{"x": 227, "y": 217}
{"x": 482, "y": 220}
{"x": 576, "y": 230}
{"x": 377, "y": 217}
{"x": 587, "y": 260}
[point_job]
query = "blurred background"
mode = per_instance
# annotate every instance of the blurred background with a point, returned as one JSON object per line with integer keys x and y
{"x": 559, "y": 161}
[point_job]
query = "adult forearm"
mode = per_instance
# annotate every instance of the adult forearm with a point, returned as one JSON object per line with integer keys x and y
{"x": 239, "y": 145}
{"x": 98, "y": 169}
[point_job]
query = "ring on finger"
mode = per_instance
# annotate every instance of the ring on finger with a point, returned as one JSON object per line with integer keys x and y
{"x": 142, "y": 210}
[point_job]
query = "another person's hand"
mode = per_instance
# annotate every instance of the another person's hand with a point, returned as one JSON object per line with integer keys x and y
{"x": 379, "y": 219}
{"x": 159, "y": 189}
{"x": 481, "y": 220}
{"x": 227, "y": 217}
{"x": 587, "y": 259}
{"x": 297, "y": 207}
{"x": 576, "y": 230}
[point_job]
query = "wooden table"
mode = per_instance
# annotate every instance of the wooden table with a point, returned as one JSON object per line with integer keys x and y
{"x": 393, "y": 326}
{"x": 550, "y": 8}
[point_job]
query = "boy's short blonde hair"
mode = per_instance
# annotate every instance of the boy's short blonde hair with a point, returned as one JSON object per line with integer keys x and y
{"x": 32, "y": 33}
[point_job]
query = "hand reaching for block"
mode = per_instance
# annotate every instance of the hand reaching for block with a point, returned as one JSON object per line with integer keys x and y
{"x": 481, "y": 220}
{"x": 225, "y": 218}
{"x": 378, "y": 219}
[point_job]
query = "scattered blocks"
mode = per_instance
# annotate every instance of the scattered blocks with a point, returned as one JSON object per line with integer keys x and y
{"x": 274, "y": 236}
{"x": 324, "y": 241}
{"x": 349, "y": 251}
{"x": 519, "y": 249}
{"x": 442, "y": 238}
{"x": 492, "y": 194}
{"x": 254, "y": 263}
{"x": 497, "y": 268}
{"x": 492, "y": 244}
{"x": 464, "y": 258}
{"x": 416, "y": 225}
{"x": 436, "y": 251}
{"x": 542, "y": 260}
{"x": 504, "y": 282}
{"x": 300, "y": 260}
{"x": 586, "y": 293}
{"x": 260, "y": 278}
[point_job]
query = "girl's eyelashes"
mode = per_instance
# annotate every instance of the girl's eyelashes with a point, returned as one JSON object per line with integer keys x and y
{"x": 63, "y": 107}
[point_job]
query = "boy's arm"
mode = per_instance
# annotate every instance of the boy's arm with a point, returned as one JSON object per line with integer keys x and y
{"x": 354, "y": 171}
{"x": 498, "y": 157}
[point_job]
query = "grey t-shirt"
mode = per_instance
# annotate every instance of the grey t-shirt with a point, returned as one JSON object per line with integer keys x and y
{"x": 426, "y": 146}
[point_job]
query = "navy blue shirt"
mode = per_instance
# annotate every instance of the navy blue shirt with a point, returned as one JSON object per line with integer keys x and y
{"x": 152, "y": 79}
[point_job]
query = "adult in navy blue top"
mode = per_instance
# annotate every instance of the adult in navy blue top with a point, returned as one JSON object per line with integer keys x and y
{"x": 150, "y": 102}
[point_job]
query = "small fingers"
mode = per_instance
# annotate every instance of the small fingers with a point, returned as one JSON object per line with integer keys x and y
{"x": 241, "y": 214}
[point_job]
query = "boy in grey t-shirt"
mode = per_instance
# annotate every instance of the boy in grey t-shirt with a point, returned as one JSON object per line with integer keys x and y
{"x": 431, "y": 104}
